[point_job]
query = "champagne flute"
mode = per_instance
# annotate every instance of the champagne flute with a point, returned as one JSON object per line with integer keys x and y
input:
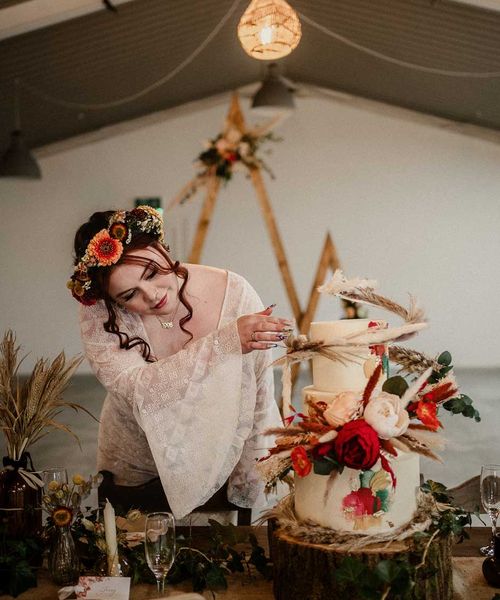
{"x": 159, "y": 545}
{"x": 490, "y": 498}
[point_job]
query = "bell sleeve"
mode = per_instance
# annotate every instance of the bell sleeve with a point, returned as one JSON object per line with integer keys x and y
{"x": 194, "y": 406}
{"x": 246, "y": 487}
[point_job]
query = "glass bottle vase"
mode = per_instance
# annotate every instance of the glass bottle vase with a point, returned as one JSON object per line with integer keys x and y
{"x": 23, "y": 514}
{"x": 64, "y": 564}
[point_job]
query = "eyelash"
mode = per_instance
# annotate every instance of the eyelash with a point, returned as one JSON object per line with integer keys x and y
{"x": 150, "y": 276}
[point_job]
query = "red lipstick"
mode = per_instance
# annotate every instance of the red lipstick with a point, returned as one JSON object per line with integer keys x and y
{"x": 162, "y": 302}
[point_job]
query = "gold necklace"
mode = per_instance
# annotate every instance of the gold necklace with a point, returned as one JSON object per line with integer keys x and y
{"x": 169, "y": 324}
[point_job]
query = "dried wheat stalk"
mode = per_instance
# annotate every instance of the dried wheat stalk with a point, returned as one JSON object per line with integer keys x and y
{"x": 412, "y": 361}
{"x": 28, "y": 411}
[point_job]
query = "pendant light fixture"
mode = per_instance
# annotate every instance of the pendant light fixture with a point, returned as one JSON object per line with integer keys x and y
{"x": 269, "y": 29}
{"x": 17, "y": 160}
{"x": 275, "y": 95}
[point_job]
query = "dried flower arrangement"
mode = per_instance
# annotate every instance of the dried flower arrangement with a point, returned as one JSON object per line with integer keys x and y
{"x": 29, "y": 409}
{"x": 62, "y": 500}
{"x": 357, "y": 430}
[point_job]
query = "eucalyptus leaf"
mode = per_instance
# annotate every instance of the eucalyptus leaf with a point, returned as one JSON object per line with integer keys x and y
{"x": 396, "y": 385}
{"x": 444, "y": 358}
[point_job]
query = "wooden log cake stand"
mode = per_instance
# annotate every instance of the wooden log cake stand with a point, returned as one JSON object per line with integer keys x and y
{"x": 306, "y": 571}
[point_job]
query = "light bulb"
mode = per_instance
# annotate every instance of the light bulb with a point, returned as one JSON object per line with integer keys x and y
{"x": 269, "y": 29}
{"x": 266, "y": 34}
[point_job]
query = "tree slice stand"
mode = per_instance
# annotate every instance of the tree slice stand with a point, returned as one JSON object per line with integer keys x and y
{"x": 306, "y": 571}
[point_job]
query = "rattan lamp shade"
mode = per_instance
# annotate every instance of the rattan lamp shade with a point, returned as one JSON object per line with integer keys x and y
{"x": 269, "y": 29}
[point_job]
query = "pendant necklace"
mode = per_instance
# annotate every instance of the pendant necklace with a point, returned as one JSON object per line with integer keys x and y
{"x": 170, "y": 323}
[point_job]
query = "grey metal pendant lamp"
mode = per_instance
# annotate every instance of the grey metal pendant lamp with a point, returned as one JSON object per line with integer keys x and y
{"x": 18, "y": 161}
{"x": 275, "y": 93}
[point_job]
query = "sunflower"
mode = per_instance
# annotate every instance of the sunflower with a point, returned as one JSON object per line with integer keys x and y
{"x": 105, "y": 249}
{"x": 62, "y": 516}
{"x": 118, "y": 231}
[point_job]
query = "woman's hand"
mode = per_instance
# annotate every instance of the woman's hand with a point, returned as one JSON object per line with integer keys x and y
{"x": 260, "y": 331}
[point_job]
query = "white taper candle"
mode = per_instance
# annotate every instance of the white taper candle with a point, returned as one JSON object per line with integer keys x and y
{"x": 111, "y": 543}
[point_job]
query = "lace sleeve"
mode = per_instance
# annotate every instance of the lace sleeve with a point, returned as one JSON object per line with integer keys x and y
{"x": 246, "y": 487}
{"x": 194, "y": 406}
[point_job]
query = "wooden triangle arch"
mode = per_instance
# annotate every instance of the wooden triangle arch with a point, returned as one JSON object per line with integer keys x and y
{"x": 328, "y": 258}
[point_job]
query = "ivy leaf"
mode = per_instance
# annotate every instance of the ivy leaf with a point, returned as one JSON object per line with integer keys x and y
{"x": 259, "y": 559}
{"x": 235, "y": 564}
{"x": 215, "y": 578}
{"x": 395, "y": 385}
{"x": 396, "y": 574}
{"x": 350, "y": 571}
{"x": 22, "y": 577}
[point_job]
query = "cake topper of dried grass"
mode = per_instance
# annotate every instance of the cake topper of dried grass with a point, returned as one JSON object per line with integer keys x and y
{"x": 28, "y": 410}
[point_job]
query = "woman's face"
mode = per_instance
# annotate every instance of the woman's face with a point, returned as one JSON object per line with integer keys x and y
{"x": 141, "y": 288}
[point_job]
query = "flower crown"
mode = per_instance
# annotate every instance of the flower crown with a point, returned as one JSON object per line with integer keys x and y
{"x": 106, "y": 247}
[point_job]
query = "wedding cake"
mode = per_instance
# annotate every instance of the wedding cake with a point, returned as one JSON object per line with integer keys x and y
{"x": 353, "y": 453}
{"x": 366, "y": 501}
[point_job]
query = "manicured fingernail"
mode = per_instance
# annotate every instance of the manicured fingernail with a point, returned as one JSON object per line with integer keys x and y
{"x": 271, "y": 306}
{"x": 287, "y": 329}
{"x": 281, "y": 336}
{"x": 272, "y": 345}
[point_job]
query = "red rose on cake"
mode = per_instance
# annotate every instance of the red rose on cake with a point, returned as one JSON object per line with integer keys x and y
{"x": 357, "y": 445}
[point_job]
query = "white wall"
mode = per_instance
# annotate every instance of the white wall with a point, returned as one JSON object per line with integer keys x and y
{"x": 408, "y": 200}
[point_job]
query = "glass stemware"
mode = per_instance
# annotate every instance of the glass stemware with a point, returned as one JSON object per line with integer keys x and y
{"x": 159, "y": 546}
{"x": 58, "y": 474}
{"x": 490, "y": 498}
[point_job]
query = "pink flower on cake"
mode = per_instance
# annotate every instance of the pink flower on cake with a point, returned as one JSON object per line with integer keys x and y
{"x": 361, "y": 502}
{"x": 357, "y": 445}
{"x": 344, "y": 408}
{"x": 300, "y": 461}
{"x": 387, "y": 415}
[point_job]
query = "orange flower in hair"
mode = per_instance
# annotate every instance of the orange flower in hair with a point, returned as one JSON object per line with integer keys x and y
{"x": 118, "y": 231}
{"x": 104, "y": 249}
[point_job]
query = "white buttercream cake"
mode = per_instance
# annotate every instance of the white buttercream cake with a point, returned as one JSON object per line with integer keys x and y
{"x": 360, "y": 501}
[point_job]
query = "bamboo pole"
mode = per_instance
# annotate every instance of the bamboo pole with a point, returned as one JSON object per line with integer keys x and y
{"x": 279, "y": 250}
{"x": 213, "y": 185}
{"x": 328, "y": 258}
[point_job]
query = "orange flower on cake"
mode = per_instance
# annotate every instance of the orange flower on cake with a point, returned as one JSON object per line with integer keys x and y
{"x": 357, "y": 445}
{"x": 300, "y": 461}
{"x": 427, "y": 413}
{"x": 343, "y": 408}
{"x": 387, "y": 415}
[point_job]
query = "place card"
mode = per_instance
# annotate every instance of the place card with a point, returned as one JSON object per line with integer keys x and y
{"x": 103, "y": 588}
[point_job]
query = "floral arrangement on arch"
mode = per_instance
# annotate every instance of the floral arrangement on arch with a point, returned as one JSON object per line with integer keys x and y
{"x": 232, "y": 148}
{"x": 356, "y": 430}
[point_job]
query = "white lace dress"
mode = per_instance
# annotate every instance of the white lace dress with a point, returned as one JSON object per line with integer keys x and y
{"x": 196, "y": 418}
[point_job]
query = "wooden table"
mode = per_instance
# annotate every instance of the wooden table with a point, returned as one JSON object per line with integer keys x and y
{"x": 467, "y": 576}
